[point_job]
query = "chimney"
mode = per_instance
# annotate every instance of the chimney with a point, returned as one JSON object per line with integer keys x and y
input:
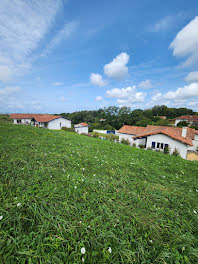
{"x": 184, "y": 131}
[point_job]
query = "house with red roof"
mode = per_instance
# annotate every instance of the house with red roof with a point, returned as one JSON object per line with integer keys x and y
{"x": 190, "y": 119}
{"x": 81, "y": 128}
{"x": 158, "y": 137}
{"x": 41, "y": 120}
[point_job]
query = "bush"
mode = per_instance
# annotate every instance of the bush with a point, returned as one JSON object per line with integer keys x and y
{"x": 176, "y": 152}
{"x": 134, "y": 145}
{"x": 68, "y": 129}
{"x": 141, "y": 146}
{"x": 125, "y": 141}
{"x": 182, "y": 124}
{"x": 95, "y": 134}
{"x": 166, "y": 150}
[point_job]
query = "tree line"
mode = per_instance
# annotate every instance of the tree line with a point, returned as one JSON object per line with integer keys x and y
{"x": 114, "y": 117}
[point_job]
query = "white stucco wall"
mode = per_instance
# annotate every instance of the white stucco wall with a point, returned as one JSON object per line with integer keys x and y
{"x": 58, "y": 123}
{"x": 81, "y": 130}
{"x": 23, "y": 120}
{"x": 160, "y": 138}
{"x": 126, "y": 137}
{"x": 140, "y": 141}
{"x": 100, "y": 131}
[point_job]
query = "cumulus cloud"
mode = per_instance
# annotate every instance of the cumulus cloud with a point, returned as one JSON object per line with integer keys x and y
{"x": 163, "y": 24}
{"x": 157, "y": 97}
{"x": 192, "y": 77}
{"x": 145, "y": 84}
{"x": 185, "y": 43}
{"x": 23, "y": 24}
{"x": 99, "y": 98}
{"x": 188, "y": 91}
{"x": 126, "y": 96}
{"x": 96, "y": 79}
{"x": 117, "y": 69}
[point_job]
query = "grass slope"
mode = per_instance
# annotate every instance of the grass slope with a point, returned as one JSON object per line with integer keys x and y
{"x": 74, "y": 191}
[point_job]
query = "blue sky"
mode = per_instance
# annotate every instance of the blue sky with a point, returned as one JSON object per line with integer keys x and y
{"x": 64, "y": 56}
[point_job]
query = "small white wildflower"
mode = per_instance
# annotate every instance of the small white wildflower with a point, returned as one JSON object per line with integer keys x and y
{"x": 183, "y": 248}
{"x": 83, "y": 169}
{"x": 83, "y": 250}
{"x": 94, "y": 174}
{"x": 83, "y": 180}
{"x": 19, "y": 204}
{"x": 194, "y": 211}
{"x": 15, "y": 198}
{"x": 109, "y": 249}
{"x": 75, "y": 187}
{"x": 1, "y": 217}
{"x": 196, "y": 190}
{"x": 151, "y": 241}
{"x": 80, "y": 222}
{"x": 83, "y": 260}
{"x": 118, "y": 220}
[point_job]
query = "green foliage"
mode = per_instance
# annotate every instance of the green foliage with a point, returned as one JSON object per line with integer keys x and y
{"x": 125, "y": 141}
{"x": 74, "y": 191}
{"x": 115, "y": 116}
{"x": 68, "y": 129}
{"x": 5, "y": 118}
{"x": 141, "y": 146}
{"x": 182, "y": 124}
{"x": 176, "y": 152}
{"x": 166, "y": 150}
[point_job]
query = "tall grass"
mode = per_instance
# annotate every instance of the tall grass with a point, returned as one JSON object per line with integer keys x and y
{"x": 60, "y": 192}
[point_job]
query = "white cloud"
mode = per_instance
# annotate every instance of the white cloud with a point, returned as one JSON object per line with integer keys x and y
{"x": 63, "y": 34}
{"x": 96, "y": 79}
{"x": 99, "y": 98}
{"x": 145, "y": 84}
{"x": 58, "y": 84}
{"x": 192, "y": 77}
{"x": 189, "y": 91}
{"x": 163, "y": 24}
{"x": 185, "y": 43}
{"x": 23, "y": 24}
{"x": 126, "y": 96}
{"x": 117, "y": 69}
{"x": 157, "y": 97}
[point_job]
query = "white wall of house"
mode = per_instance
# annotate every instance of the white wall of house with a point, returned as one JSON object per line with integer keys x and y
{"x": 81, "y": 130}
{"x": 172, "y": 143}
{"x": 126, "y": 137}
{"x": 140, "y": 141}
{"x": 23, "y": 120}
{"x": 58, "y": 123}
{"x": 100, "y": 131}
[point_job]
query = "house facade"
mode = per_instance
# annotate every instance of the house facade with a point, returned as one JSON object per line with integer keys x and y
{"x": 41, "y": 120}
{"x": 81, "y": 128}
{"x": 191, "y": 119}
{"x": 159, "y": 137}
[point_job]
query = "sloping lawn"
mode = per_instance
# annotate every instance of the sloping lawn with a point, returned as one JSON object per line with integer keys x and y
{"x": 60, "y": 192}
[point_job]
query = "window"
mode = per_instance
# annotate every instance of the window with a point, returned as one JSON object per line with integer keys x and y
{"x": 60, "y": 124}
{"x": 158, "y": 145}
{"x": 153, "y": 145}
{"x": 162, "y": 146}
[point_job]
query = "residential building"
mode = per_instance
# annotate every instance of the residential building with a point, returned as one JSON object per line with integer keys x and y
{"x": 81, "y": 128}
{"x": 190, "y": 119}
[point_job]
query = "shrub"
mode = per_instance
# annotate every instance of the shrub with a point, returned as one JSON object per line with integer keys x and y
{"x": 176, "y": 152}
{"x": 134, "y": 145}
{"x": 166, "y": 150}
{"x": 141, "y": 146}
{"x": 182, "y": 124}
{"x": 95, "y": 134}
{"x": 149, "y": 148}
{"x": 68, "y": 129}
{"x": 125, "y": 141}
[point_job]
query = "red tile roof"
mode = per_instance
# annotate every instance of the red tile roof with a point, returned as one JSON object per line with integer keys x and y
{"x": 173, "y": 132}
{"x": 189, "y": 117}
{"x": 132, "y": 130}
{"x": 38, "y": 117}
{"x": 81, "y": 125}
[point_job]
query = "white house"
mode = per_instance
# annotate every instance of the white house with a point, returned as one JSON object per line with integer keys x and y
{"x": 158, "y": 137}
{"x": 81, "y": 128}
{"x": 41, "y": 120}
{"x": 191, "y": 119}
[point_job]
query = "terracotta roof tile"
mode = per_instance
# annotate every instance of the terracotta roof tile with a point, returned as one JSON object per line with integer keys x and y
{"x": 132, "y": 130}
{"x": 81, "y": 125}
{"x": 37, "y": 117}
{"x": 189, "y": 117}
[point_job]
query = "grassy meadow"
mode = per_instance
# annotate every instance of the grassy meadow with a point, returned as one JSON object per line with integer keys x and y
{"x": 61, "y": 192}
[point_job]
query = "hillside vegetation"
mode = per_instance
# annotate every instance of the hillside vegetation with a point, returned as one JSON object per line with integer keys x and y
{"x": 60, "y": 192}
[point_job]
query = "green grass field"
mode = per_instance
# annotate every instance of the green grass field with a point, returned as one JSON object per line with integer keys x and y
{"x": 60, "y": 192}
